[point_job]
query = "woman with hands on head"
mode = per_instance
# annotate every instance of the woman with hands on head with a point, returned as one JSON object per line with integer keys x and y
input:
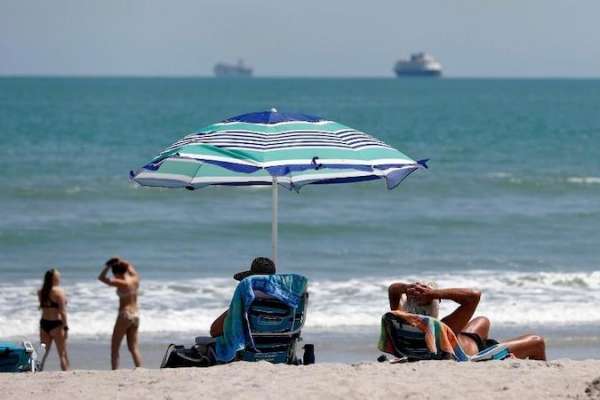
{"x": 472, "y": 333}
{"x": 127, "y": 281}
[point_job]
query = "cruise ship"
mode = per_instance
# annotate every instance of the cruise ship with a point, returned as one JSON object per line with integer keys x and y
{"x": 232, "y": 70}
{"x": 420, "y": 64}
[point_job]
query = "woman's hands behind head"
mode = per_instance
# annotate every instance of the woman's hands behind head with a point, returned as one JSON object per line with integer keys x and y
{"x": 422, "y": 293}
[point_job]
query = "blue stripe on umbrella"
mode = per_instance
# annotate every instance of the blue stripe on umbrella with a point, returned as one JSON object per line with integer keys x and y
{"x": 271, "y": 117}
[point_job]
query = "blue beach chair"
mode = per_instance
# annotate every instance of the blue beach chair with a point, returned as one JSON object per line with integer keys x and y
{"x": 264, "y": 323}
{"x": 18, "y": 357}
{"x": 275, "y": 329}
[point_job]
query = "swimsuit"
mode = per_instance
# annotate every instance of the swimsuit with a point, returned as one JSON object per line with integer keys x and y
{"x": 481, "y": 344}
{"x": 122, "y": 293}
{"x": 132, "y": 316}
{"x": 50, "y": 304}
{"x": 48, "y": 324}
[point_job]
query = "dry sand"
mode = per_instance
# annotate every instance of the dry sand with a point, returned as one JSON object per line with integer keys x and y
{"x": 512, "y": 379}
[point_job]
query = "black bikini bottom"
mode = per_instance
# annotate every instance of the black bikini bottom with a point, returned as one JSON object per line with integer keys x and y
{"x": 481, "y": 344}
{"x": 48, "y": 324}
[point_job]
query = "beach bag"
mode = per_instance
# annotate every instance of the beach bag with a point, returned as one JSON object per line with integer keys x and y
{"x": 199, "y": 355}
{"x": 17, "y": 357}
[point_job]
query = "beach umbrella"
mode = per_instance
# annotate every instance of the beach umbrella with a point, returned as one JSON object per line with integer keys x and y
{"x": 277, "y": 149}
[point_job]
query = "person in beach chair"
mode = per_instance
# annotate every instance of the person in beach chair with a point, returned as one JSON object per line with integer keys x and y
{"x": 259, "y": 266}
{"x": 265, "y": 316}
{"x": 263, "y": 322}
{"x": 413, "y": 331}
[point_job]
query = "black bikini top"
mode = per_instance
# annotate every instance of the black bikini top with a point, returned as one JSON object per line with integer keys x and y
{"x": 50, "y": 304}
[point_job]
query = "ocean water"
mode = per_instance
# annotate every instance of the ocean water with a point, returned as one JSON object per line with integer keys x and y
{"x": 510, "y": 204}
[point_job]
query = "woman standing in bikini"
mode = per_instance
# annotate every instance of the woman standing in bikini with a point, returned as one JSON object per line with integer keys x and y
{"x": 127, "y": 281}
{"x": 53, "y": 324}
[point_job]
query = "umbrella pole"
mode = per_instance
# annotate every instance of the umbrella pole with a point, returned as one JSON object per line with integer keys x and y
{"x": 274, "y": 219}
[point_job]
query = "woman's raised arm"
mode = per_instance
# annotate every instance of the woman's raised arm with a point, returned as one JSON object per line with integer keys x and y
{"x": 122, "y": 283}
{"x": 395, "y": 291}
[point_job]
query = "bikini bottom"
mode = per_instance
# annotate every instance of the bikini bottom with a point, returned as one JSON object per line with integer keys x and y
{"x": 133, "y": 317}
{"x": 48, "y": 324}
{"x": 481, "y": 344}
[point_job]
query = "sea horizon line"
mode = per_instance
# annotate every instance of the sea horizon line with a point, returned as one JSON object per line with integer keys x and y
{"x": 307, "y": 77}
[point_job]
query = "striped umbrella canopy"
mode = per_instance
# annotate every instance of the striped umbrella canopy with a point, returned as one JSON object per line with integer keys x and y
{"x": 277, "y": 149}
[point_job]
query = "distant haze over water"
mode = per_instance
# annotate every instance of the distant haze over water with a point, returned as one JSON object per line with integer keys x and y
{"x": 511, "y": 38}
{"x": 510, "y": 203}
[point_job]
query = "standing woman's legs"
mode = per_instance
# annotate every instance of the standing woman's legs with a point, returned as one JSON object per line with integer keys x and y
{"x": 58, "y": 334}
{"x": 132, "y": 343}
{"x": 45, "y": 339}
{"x": 117, "y": 337}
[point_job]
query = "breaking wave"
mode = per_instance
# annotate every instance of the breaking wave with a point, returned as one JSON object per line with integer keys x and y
{"x": 180, "y": 306}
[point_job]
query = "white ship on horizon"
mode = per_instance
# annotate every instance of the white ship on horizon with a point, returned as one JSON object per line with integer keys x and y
{"x": 232, "y": 70}
{"x": 420, "y": 64}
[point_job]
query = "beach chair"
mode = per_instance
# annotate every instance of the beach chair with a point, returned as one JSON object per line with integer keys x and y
{"x": 403, "y": 335}
{"x": 275, "y": 329}
{"x": 268, "y": 329}
{"x": 18, "y": 357}
{"x": 408, "y": 342}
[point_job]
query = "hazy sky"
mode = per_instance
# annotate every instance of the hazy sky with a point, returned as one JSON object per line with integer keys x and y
{"x": 299, "y": 38}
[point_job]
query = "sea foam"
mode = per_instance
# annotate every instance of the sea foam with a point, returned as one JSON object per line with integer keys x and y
{"x": 189, "y": 306}
{"x": 587, "y": 180}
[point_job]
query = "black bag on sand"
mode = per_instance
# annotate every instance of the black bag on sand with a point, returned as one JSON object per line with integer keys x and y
{"x": 199, "y": 355}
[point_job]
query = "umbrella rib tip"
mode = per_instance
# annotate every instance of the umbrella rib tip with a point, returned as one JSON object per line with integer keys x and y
{"x": 423, "y": 163}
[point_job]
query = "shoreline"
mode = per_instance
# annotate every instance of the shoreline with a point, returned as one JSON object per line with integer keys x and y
{"x": 509, "y": 379}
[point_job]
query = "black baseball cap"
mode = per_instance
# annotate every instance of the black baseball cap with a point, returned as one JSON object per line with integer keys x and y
{"x": 260, "y": 266}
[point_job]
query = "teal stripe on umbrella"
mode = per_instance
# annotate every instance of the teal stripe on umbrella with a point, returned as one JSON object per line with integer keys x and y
{"x": 298, "y": 152}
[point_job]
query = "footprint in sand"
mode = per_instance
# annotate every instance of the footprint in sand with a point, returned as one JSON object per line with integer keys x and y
{"x": 593, "y": 389}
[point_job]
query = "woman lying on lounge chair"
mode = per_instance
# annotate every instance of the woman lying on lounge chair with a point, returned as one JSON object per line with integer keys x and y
{"x": 418, "y": 298}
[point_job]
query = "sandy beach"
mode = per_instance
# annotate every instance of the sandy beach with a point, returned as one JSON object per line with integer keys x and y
{"x": 281, "y": 177}
{"x": 512, "y": 379}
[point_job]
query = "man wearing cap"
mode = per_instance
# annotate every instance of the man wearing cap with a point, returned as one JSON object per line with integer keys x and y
{"x": 260, "y": 266}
